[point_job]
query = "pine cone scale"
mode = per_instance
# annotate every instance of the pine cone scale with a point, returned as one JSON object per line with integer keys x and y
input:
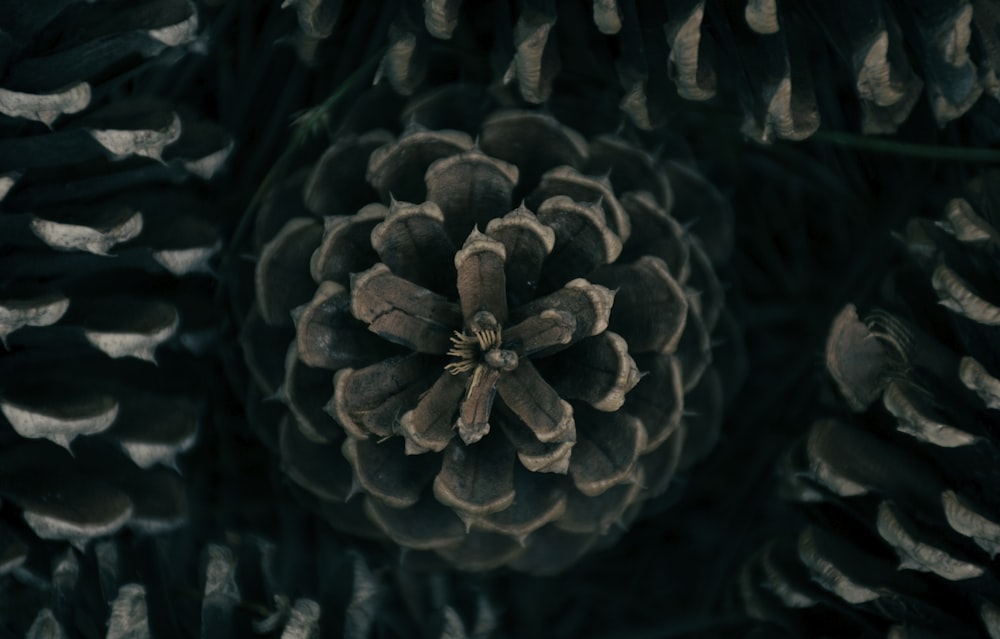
{"x": 535, "y": 455}
{"x": 427, "y": 426}
{"x": 402, "y": 312}
{"x": 657, "y": 399}
{"x": 526, "y": 393}
{"x": 597, "y": 370}
{"x": 535, "y": 504}
{"x": 397, "y": 484}
{"x": 471, "y": 189}
{"x": 361, "y": 396}
{"x": 532, "y": 142}
{"x": 328, "y": 336}
{"x": 482, "y": 283}
{"x": 428, "y": 525}
{"x": 606, "y": 452}
{"x": 650, "y": 308}
{"x": 583, "y": 241}
{"x": 283, "y": 281}
{"x": 397, "y": 170}
{"x": 476, "y": 480}
{"x": 609, "y": 217}
{"x": 345, "y": 247}
{"x": 543, "y": 333}
{"x": 412, "y": 242}
{"x": 301, "y": 386}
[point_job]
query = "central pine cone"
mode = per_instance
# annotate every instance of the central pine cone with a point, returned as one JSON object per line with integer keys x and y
{"x": 493, "y": 382}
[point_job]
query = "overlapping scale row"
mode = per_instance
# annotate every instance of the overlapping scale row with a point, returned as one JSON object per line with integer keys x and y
{"x": 105, "y": 283}
{"x": 173, "y": 585}
{"x": 485, "y": 348}
{"x": 906, "y": 520}
{"x": 767, "y": 56}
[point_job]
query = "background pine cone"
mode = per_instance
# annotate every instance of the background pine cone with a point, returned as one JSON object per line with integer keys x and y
{"x": 292, "y": 586}
{"x": 106, "y": 299}
{"x": 779, "y": 61}
{"x": 507, "y": 382}
{"x": 903, "y": 511}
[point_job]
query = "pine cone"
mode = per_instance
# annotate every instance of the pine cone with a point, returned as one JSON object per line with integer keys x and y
{"x": 765, "y": 55}
{"x": 914, "y": 556}
{"x": 154, "y": 587}
{"x": 508, "y": 382}
{"x": 106, "y": 295}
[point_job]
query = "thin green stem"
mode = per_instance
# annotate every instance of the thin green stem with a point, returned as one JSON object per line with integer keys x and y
{"x": 305, "y": 125}
{"x": 908, "y": 149}
{"x": 309, "y": 122}
{"x": 873, "y": 143}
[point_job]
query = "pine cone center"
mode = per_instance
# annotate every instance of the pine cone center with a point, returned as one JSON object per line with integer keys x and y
{"x": 480, "y": 356}
{"x": 481, "y": 349}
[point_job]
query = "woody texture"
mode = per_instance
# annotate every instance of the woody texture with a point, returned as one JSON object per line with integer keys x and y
{"x": 770, "y": 59}
{"x": 493, "y": 342}
{"x": 106, "y": 243}
{"x": 904, "y": 522}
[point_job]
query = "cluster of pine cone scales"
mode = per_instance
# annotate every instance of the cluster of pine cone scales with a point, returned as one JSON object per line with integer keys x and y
{"x": 905, "y": 515}
{"x": 494, "y": 343}
{"x": 769, "y": 57}
{"x": 483, "y": 328}
{"x": 105, "y": 293}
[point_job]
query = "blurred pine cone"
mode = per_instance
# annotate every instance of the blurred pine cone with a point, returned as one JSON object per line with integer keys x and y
{"x": 906, "y": 520}
{"x": 508, "y": 382}
{"x": 255, "y": 586}
{"x": 172, "y": 586}
{"x": 769, "y": 57}
{"x": 105, "y": 290}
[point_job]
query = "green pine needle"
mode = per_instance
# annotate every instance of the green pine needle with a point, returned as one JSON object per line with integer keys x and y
{"x": 908, "y": 149}
{"x": 305, "y": 124}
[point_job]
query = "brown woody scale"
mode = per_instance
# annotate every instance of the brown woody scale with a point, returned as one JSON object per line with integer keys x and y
{"x": 495, "y": 350}
{"x": 907, "y": 520}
